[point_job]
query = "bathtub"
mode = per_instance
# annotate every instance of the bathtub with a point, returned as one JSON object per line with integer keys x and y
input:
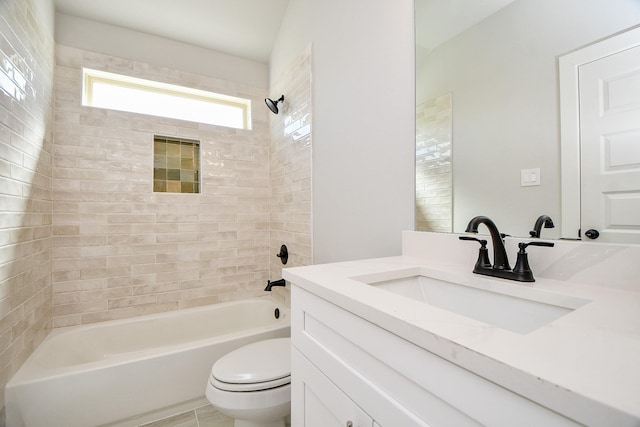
{"x": 106, "y": 372}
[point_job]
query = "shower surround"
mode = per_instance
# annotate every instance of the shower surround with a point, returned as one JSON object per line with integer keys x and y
{"x": 121, "y": 250}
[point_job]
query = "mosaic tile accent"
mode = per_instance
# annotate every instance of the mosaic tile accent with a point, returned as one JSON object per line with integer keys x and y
{"x": 434, "y": 183}
{"x": 176, "y": 165}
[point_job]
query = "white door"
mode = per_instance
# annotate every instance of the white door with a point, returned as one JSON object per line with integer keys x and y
{"x": 609, "y": 91}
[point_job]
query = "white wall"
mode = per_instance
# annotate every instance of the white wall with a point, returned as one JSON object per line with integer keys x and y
{"x": 363, "y": 100}
{"x": 116, "y": 41}
{"x": 503, "y": 77}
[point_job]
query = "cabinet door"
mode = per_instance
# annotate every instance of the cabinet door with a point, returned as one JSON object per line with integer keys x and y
{"x": 317, "y": 402}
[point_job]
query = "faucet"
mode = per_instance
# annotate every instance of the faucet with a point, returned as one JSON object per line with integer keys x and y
{"x": 500, "y": 260}
{"x": 542, "y": 220}
{"x": 500, "y": 268}
{"x": 271, "y": 284}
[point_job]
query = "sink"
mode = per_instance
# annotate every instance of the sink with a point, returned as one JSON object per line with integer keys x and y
{"x": 513, "y": 307}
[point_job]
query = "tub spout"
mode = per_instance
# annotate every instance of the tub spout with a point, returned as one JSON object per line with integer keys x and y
{"x": 271, "y": 284}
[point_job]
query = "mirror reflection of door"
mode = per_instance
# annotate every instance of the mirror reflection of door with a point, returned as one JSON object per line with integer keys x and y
{"x": 609, "y": 92}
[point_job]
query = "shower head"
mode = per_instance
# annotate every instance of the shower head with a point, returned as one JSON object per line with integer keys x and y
{"x": 273, "y": 105}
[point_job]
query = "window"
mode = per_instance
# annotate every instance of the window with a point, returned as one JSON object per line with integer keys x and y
{"x": 124, "y": 93}
{"x": 176, "y": 165}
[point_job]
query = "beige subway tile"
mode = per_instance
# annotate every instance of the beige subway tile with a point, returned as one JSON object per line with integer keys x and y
{"x": 65, "y": 276}
{"x": 143, "y": 279}
{"x": 78, "y": 263}
{"x": 105, "y": 315}
{"x": 119, "y": 279}
{"x": 129, "y": 260}
{"x": 69, "y": 320}
{"x": 160, "y": 268}
{"x": 82, "y": 307}
{"x": 124, "y": 302}
{"x": 78, "y": 285}
{"x": 177, "y": 276}
{"x": 95, "y": 273}
{"x": 154, "y": 248}
{"x": 103, "y": 251}
{"x": 155, "y": 288}
{"x": 173, "y": 296}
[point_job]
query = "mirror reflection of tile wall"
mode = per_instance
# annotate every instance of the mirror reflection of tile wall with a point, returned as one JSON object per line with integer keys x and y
{"x": 434, "y": 190}
{"x": 176, "y": 165}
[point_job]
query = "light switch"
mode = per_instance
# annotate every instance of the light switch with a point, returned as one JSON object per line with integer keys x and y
{"x": 529, "y": 177}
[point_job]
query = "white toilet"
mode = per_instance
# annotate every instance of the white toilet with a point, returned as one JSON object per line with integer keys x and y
{"x": 252, "y": 384}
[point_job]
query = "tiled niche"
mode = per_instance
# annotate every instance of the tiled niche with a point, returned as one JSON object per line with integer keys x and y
{"x": 176, "y": 165}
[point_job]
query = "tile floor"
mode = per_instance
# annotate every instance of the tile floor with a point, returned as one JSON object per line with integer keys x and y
{"x": 205, "y": 416}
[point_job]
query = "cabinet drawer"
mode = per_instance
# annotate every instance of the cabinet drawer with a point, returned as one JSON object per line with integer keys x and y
{"x": 387, "y": 375}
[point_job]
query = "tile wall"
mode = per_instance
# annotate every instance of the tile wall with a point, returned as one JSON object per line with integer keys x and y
{"x": 121, "y": 250}
{"x": 26, "y": 135}
{"x": 434, "y": 183}
{"x": 291, "y": 168}
{"x": 83, "y": 236}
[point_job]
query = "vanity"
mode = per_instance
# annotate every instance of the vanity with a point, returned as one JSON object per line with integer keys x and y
{"x": 419, "y": 340}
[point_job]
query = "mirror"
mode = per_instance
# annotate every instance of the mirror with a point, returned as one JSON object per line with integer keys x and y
{"x": 496, "y": 64}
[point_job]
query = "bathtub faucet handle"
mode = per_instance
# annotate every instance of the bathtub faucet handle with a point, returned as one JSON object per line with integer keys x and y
{"x": 284, "y": 254}
{"x": 271, "y": 284}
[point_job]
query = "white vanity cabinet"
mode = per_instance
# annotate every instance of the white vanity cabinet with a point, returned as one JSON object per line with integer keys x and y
{"x": 347, "y": 369}
{"x": 327, "y": 391}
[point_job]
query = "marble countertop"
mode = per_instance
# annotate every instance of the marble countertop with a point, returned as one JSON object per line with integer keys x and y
{"x": 585, "y": 364}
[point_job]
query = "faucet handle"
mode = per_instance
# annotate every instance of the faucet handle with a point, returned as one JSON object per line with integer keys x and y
{"x": 522, "y": 269}
{"x": 523, "y": 245}
{"x": 483, "y": 254}
{"x": 472, "y": 238}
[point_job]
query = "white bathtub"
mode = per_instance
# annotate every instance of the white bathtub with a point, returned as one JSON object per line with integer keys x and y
{"x": 106, "y": 372}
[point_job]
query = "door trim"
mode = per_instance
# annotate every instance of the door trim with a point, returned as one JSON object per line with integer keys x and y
{"x": 570, "y": 121}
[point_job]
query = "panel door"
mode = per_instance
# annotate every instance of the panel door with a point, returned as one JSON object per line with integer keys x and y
{"x": 610, "y": 147}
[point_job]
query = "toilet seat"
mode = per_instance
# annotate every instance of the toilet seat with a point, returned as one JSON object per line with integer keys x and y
{"x": 257, "y": 366}
{"x": 220, "y": 385}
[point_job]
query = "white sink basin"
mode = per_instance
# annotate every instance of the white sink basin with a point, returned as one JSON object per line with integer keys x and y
{"x": 488, "y": 301}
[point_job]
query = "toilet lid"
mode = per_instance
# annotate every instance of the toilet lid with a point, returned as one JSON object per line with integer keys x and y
{"x": 267, "y": 361}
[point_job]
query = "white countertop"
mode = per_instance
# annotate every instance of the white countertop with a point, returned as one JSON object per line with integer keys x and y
{"x": 586, "y": 364}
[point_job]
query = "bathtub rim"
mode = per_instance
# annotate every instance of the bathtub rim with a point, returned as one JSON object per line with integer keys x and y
{"x": 29, "y": 372}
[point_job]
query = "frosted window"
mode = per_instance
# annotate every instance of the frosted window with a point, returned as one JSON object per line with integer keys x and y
{"x": 124, "y": 93}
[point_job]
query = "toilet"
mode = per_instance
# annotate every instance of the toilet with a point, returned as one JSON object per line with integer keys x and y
{"x": 252, "y": 384}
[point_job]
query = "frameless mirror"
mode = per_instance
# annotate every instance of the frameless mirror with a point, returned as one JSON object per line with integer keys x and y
{"x": 487, "y": 85}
